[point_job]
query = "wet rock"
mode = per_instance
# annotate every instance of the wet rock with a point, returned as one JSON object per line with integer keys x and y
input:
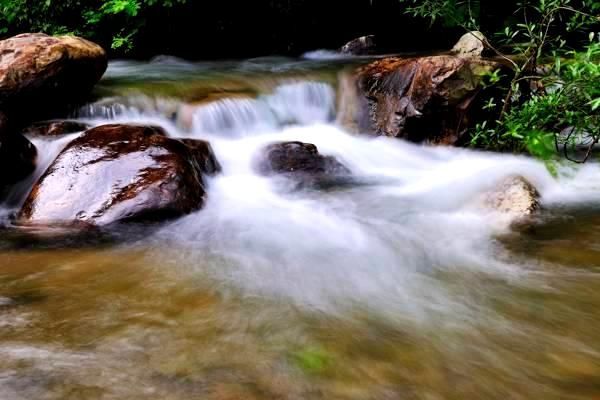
{"x": 41, "y": 74}
{"x": 361, "y": 46}
{"x": 513, "y": 195}
{"x": 425, "y": 99}
{"x": 116, "y": 173}
{"x": 301, "y": 162}
{"x": 55, "y": 128}
{"x": 204, "y": 155}
{"x": 471, "y": 44}
{"x": 17, "y": 159}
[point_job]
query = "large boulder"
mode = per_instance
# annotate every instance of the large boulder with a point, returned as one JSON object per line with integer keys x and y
{"x": 41, "y": 75}
{"x": 116, "y": 173}
{"x": 423, "y": 99}
{"x": 301, "y": 162}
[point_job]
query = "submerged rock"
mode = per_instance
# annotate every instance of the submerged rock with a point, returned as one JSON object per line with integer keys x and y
{"x": 424, "y": 99}
{"x": 118, "y": 173}
{"x": 361, "y": 46}
{"x": 300, "y": 162}
{"x": 513, "y": 195}
{"x": 41, "y": 74}
{"x": 55, "y": 128}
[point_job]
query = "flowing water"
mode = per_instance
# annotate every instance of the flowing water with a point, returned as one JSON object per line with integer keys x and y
{"x": 395, "y": 287}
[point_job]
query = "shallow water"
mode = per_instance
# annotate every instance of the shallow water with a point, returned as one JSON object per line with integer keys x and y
{"x": 395, "y": 287}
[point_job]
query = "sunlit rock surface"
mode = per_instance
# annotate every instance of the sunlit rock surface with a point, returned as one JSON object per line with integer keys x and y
{"x": 513, "y": 196}
{"x": 41, "y": 74}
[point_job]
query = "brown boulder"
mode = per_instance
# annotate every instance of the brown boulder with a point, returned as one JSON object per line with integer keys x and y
{"x": 117, "y": 173}
{"x": 41, "y": 74}
{"x": 301, "y": 162}
{"x": 424, "y": 99}
{"x": 204, "y": 155}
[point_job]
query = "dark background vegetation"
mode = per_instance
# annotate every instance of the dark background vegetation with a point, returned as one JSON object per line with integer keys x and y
{"x": 548, "y": 99}
{"x": 199, "y": 29}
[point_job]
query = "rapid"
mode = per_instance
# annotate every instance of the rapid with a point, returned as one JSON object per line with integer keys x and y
{"x": 395, "y": 286}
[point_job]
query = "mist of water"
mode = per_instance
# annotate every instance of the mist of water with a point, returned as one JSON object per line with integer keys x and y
{"x": 411, "y": 215}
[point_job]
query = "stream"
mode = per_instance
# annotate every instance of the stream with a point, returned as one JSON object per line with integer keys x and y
{"x": 395, "y": 287}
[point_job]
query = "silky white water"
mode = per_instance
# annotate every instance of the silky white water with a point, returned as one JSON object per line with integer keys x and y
{"x": 412, "y": 212}
{"x": 398, "y": 284}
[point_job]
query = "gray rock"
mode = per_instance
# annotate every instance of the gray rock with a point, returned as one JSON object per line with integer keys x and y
{"x": 514, "y": 196}
{"x": 361, "y": 46}
{"x": 471, "y": 44}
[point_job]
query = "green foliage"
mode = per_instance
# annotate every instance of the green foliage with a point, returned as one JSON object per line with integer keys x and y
{"x": 550, "y": 107}
{"x": 565, "y": 117}
{"x": 117, "y": 21}
{"x": 450, "y": 12}
{"x": 561, "y": 118}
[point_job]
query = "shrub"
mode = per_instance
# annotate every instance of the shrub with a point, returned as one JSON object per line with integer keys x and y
{"x": 552, "y": 102}
{"x": 114, "y": 21}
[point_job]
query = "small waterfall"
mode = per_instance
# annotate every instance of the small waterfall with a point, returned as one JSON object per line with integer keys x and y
{"x": 124, "y": 108}
{"x": 301, "y": 103}
{"x": 233, "y": 118}
{"x": 410, "y": 217}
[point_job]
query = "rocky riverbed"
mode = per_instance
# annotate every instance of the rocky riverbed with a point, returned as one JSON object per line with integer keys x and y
{"x": 282, "y": 228}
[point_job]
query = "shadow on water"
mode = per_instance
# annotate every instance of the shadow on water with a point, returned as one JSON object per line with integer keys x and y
{"x": 32, "y": 238}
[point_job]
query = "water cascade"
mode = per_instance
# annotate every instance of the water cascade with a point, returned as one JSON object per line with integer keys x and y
{"x": 323, "y": 286}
